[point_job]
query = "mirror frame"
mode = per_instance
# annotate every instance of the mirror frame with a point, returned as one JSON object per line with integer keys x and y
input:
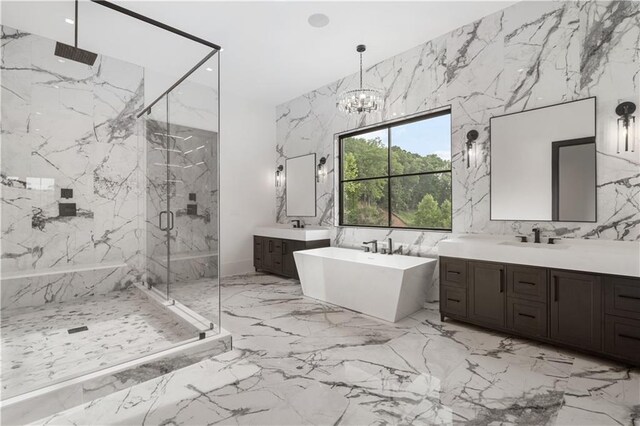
{"x": 315, "y": 185}
{"x": 595, "y": 131}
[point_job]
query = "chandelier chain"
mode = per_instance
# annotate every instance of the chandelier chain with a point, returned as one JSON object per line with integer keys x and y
{"x": 361, "y": 70}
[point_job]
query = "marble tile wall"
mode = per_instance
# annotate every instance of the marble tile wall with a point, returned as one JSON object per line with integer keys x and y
{"x": 70, "y": 125}
{"x": 529, "y": 55}
{"x": 192, "y": 173}
{"x": 67, "y": 125}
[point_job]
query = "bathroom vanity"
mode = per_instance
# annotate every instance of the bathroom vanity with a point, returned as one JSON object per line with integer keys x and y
{"x": 273, "y": 247}
{"x": 567, "y": 294}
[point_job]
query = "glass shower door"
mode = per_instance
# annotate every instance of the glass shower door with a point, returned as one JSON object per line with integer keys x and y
{"x": 160, "y": 185}
{"x": 182, "y": 200}
{"x": 194, "y": 230}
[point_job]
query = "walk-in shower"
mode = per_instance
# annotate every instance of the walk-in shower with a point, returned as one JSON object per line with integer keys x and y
{"x": 110, "y": 202}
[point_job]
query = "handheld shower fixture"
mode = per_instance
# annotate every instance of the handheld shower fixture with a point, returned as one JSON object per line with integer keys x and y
{"x": 74, "y": 53}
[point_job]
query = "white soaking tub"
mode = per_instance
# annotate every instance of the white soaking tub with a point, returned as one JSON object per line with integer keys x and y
{"x": 383, "y": 286}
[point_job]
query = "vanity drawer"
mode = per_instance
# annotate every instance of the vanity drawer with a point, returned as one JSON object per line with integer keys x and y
{"x": 453, "y": 300}
{"x": 526, "y": 282}
{"x": 453, "y": 272}
{"x": 622, "y": 297}
{"x": 527, "y": 317}
{"x": 622, "y": 337}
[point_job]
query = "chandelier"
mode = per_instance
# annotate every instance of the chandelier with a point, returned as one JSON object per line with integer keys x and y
{"x": 360, "y": 100}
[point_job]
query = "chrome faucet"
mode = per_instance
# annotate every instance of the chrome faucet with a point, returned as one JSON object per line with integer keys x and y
{"x": 536, "y": 235}
{"x": 374, "y": 243}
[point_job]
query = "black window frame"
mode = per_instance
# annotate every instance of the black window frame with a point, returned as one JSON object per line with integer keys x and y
{"x": 390, "y": 125}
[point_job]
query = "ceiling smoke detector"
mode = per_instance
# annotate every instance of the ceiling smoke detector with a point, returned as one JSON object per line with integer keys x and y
{"x": 318, "y": 20}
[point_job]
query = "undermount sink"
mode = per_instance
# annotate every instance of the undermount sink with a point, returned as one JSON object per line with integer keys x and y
{"x": 555, "y": 246}
{"x": 577, "y": 254}
{"x": 288, "y": 232}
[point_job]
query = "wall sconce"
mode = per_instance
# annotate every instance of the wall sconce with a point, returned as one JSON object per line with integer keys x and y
{"x": 279, "y": 175}
{"x": 472, "y": 135}
{"x": 626, "y": 125}
{"x": 322, "y": 170}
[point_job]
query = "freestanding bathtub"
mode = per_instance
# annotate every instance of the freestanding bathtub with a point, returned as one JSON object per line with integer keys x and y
{"x": 383, "y": 286}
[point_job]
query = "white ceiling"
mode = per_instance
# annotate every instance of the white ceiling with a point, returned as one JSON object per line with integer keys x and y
{"x": 271, "y": 54}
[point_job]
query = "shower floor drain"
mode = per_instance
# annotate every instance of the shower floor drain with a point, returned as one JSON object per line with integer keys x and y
{"x": 78, "y": 329}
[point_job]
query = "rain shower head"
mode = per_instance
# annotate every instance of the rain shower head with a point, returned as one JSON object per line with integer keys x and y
{"x": 74, "y": 53}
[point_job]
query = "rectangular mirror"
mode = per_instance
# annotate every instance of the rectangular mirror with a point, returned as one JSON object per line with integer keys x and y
{"x": 300, "y": 181}
{"x": 543, "y": 163}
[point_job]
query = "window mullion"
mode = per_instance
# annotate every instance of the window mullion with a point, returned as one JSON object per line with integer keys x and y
{"x": 389, "y": 176}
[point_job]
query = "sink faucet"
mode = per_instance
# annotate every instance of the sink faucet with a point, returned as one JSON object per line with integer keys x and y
{"x": 536, "y": 235}
{"x": 390, "y": 246}
{"x": 374, "y": 243}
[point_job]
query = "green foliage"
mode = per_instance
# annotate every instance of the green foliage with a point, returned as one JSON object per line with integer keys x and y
{"x": 421, "y": 201}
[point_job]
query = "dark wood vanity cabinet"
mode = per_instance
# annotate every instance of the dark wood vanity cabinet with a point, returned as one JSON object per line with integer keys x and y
{"x": 275, "y": 255}
{"x": 587, "y": 311}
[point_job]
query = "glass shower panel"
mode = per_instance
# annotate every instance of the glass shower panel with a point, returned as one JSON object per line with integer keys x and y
{"x": 193, "y": 250}
{"x": 159, "y": 182}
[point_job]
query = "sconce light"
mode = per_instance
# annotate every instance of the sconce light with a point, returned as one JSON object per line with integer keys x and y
{"x": 322, "y": 170}
{"x": 626, "y": 125}
{"x": 279, "y": 177}
{"x": 472, "y": 135}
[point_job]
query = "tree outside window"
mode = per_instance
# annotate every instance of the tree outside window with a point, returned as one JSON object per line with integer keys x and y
{"x": 398, "y": 176}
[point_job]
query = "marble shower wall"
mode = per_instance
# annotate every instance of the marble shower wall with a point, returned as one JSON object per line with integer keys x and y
{"x": 68, "y": 125}
{"x": 192, "y": 186}
{"x": 529, "y": 55}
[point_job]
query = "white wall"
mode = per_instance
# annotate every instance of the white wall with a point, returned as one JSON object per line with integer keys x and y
{"x": 247, "y": 190}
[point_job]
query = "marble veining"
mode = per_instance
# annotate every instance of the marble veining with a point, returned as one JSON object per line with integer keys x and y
{"x": 37, "y": 348}
{"x": 68, "y": 125}
{"x": 528, "y": 55}
{"x": 298, "y": 361}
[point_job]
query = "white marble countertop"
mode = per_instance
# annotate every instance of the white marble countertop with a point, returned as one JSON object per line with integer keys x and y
{"x": 287, "y": 232}
{"x": 599, "y": 256}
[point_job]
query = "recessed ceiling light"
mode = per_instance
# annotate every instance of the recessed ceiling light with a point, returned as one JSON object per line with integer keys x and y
{"x": 68, "y": 21}
{"x": 318, "y": 20}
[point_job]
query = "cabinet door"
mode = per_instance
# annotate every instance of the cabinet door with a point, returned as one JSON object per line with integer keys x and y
{"x": 487, "y": 293}
{"x": 576, "y": 309}
{"x": 257, "y": 252}
{"x": 272, "y": 254}
{"x": 288, "y": 261}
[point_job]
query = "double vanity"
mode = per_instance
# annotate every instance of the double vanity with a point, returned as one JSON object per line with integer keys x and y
{"x": 582, "y": 294}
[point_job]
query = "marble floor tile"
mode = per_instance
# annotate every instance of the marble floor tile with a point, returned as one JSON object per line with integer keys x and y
{"x": 297, "y": 361}
{"x": 37, "y": 349}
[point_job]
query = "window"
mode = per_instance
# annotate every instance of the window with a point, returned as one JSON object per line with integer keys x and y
{"x": 398, "y": 175}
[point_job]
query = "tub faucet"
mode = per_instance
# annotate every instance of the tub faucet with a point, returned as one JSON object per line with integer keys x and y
{"x": 536, "y": 235}
{"x": 374, "y": 243}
